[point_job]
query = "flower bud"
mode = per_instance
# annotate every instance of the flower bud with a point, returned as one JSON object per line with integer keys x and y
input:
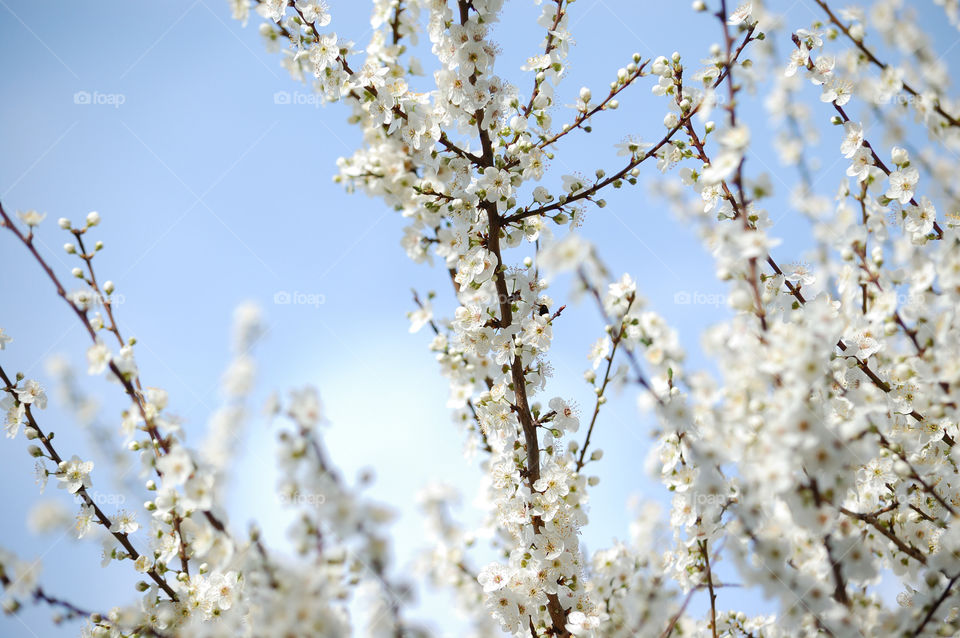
{"x": 64, "y": 223}
{"x": 93, "y": 218}
{"x": 900, "y": 156}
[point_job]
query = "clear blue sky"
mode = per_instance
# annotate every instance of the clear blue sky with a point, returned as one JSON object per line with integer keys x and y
{"x": 212, "y": 194}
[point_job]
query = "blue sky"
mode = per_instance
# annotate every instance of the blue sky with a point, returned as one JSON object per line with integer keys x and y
{"x": 212, "y": 194}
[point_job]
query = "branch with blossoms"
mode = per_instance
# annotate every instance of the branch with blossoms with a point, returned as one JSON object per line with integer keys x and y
{"x": 818, "y": 453}
{"x": 73, "y": 475}
{"x": 579, "y": 191}
{"x": 480, "y": 221}
{"x": 948, "y": 119}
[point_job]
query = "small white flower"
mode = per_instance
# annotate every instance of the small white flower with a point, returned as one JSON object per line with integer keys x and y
{"x": 899, "y": 155}
{"x": 273, "y": 9}
{"x": 861, "y": 163}
{"x": 567, "y": 254}
{"x": 742, "y": 14}
{"x": 722, "y": 167}
{"x": 305, "y": 407}
{"x": 837, "y": 91}
{"x": 124, "y": 523}
{"x": 496, "y": 183}
{"x": 316, "y": 12}
{"x": 31, "y": 217}
{"x": 74, "y": 474}
{"x": 632, "y": 148}
{"x": 541, "y": 195}
{"x": 32, "y": 393}
{"x": 798, "y": 59}
{"x": 84, "y": 520}
{"x": 572, "y": 183}
{"x": 493, "y": 577}
{"x": 920, "y": 219}
{"x": 13, "y": 413}
{"x": 735, "y": 138}
{"x": 175, "y": 466}
{"x": 421, "y": 317}
{"x": 566, "y": 418}
{"x": 866, "y": 344}
{"x": 852, "y": 139}
{"x": 323, "y": 53}
{"x": 599, "y": 351}
{"x": 143, "y": 564}
{"x": 903, "y": 183}
{"x": 125, "y": 362}
{"x": 98, "y": 358}
{"x": 800, "y": 274}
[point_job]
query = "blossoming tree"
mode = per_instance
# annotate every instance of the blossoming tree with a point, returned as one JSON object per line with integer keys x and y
{"x": 821, "y": 461}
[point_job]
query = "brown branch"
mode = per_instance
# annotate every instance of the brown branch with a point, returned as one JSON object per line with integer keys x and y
{"x": 936, "y": 604}
{"x": 102, "y": 518}
{"x": 713, "y": 596}
{"x": 131, "y": 385}
{"x": 603, "y": 385}
{"x": 874, "y": 521}
{"x": 636, "y": 161}
{"x": 866, "y": 143}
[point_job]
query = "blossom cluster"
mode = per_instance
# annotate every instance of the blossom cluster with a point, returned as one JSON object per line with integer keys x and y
{"x": 820, "y": 460}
